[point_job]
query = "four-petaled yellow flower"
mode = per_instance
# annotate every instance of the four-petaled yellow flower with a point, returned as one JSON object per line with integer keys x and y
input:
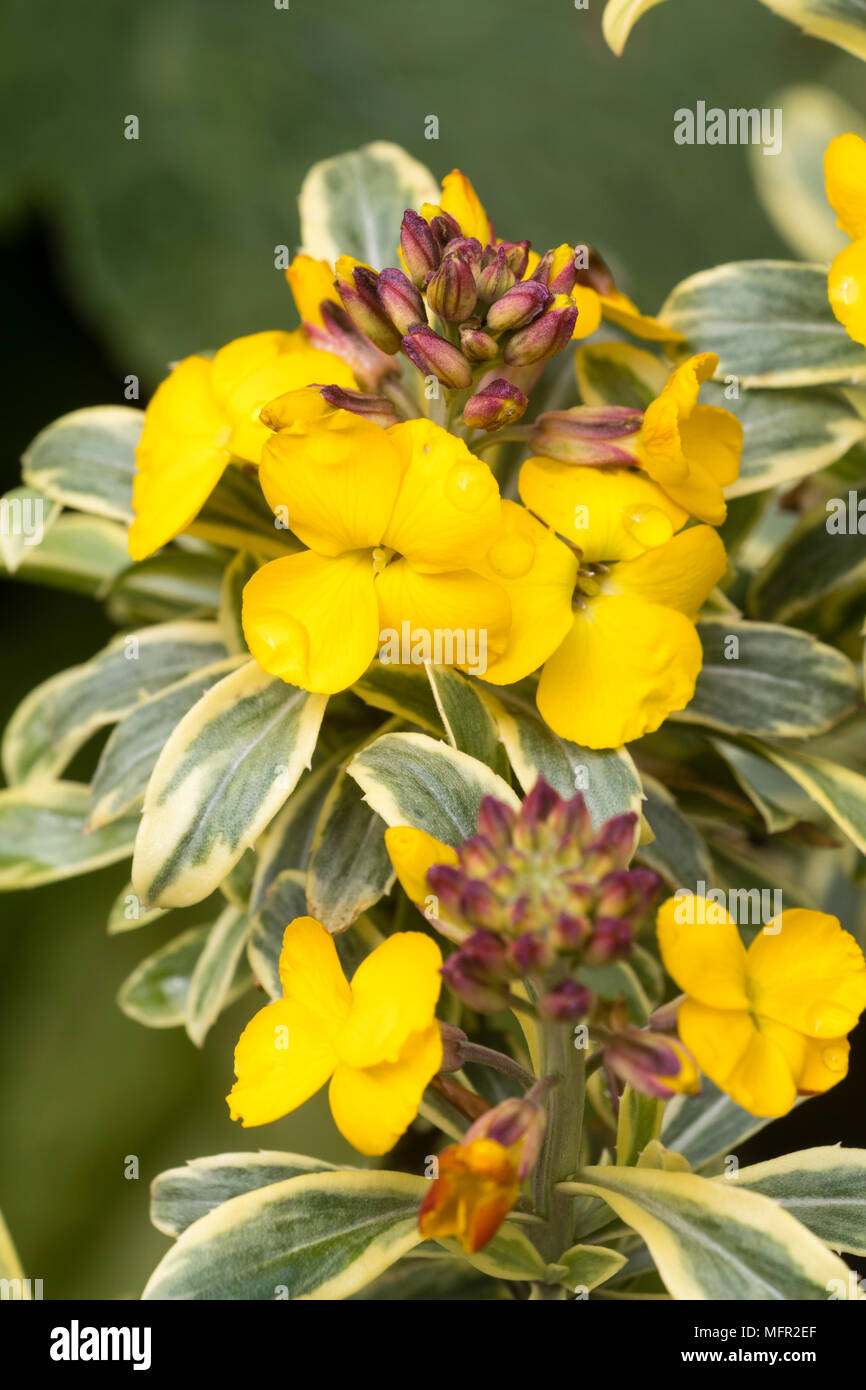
{"x": 612, "y": 615}
{"x": 377, "y": 1038}
{"x": 205, "y": 414}
{"x": 769, "y": 1023}
{"x": 394, "y": 520}
{"x": 845, "y": 173}
{"x": 692, "y": 451}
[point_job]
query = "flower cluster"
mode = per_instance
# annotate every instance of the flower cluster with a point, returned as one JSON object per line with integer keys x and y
{"x": 595, "y": 578}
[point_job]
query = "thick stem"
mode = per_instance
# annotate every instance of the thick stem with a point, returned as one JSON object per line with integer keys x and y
{"x": 488, "y": 1057}
{"x": 560, "y": 1156}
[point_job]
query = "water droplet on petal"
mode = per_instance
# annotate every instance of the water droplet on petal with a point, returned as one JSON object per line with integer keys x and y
{"x": 469, "y": 485}
{"x": 648, "y": 525}
{"x": 511, "y": 556}
{"x": 835, "y": 1059}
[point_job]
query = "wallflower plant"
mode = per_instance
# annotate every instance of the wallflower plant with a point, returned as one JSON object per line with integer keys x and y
{"x": 469, "y": 635}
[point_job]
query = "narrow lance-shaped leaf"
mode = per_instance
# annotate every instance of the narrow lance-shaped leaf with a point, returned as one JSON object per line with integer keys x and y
{"x": 224, "y": 773}
{"x": 711, "y": 1241}
{"x": 43, "y": 839}
{"x": 284, "y": 900}
{"x": 465, "y": 718}
{"x": 823, "y": 556}
{"x": 87, "y": 459}
{"x": 705, "y": 1126}
{"x": 410, "y": 779}
{"x": 837, "y": 790}
{"x": 179, "y": 1196}
{"x": 825, "y": 1188}
{"x": 678, "y": 852}
{"x": 760, "y": 678}
{"x": 211, "y": 981}
{"x": 58, "y": 717}
{"x": 155, "y": 993}
{"x": 349, "y": 867}
{"x": 318, "y": 1236}
{"x": 26, "y": 517}
{"x": 79, "y": 553}
{"x": 842, "y": 22}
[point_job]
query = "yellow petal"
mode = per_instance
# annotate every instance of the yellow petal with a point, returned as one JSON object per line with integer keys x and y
{"x": 619, "y": 309}
{"x": 310, "y": 971}
{"x": 412, "y": 852}
{"x": 311, "y": 281}
{"x": 337, "y": 479}
{"x": 679, "y": 574}
{"x": 457, "y": 619}
{"x": 460, "y": 199}
{"x": 623, "y": 668}
{"x": 810, "y": 975}
{"x": 609, "y": 513}
{"x": 372, "y": 1107}
{"x": 846, "y": 286}
{"x": 252, "y": 371}
{"x": 312, "y": 621}
{"x": 394, "y": 994}
{"x": 845, "y": 175}
{"x": 588, "y": 310}
{"x": 713, "y": 438}
{"x": 538, "y": 574}
{"x": 282, "y": 1058}
{"x": 702, "y": 951}
{"x": 183, "y": 450}
{"x": 824, "y": 1065}
{"x": 738, "y": 1058}
{"x": 447, "y": 508}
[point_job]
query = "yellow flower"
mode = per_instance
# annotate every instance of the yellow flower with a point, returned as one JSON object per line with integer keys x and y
{"x": 845, "y": 174}
{"x": 619, "y": 309}
{"x": 205, "y": 414}
{"x": 377, "y": 1038}
{"x": 393, "y": 520}
{"x": 771, "y": 1022}
{"x": 611, "y": 617}
{"x": 311, "y": 281}
{"x": 477, "y": 1186}
{"x": 412, "y": 852}
{"x": 690, "y": 450}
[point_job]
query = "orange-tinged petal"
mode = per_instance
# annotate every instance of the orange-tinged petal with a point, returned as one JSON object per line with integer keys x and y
{"x": 313, "y": 621}
{"x": 846, "y": 286}
{"x": 609, "y": 513}
{"x": 476, "y": 1188}
{"x": 311, "y": 281}
{"x": 702, "y": 951}
{"x": 183, "y": 450}
{"x": 727, "y": 1046}
{"x": 460, "y": 199}
{"x": 283, "y": 1056}
{"x": 845, "y": 175}
{"x": 457, "y": 619}
{"x": 394, "y": 994}
{"x": 538, "y": 574}
{"x": 809, "y": 975}
{"x": 619, "y": 309}
{"x": 373, "y": 1106}
{"x": 680, "y": 574}
{"x": 310, "y": 971}
{"x": 623, "y": 668}
{"x": 337, "y": 479}
{"x": 447, "y": 509}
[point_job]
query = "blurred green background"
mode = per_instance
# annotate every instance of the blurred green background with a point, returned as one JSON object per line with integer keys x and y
{"x": 118, "y": 256}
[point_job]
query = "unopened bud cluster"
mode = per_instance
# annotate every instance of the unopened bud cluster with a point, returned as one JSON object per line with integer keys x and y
{"x": 543, "y": 894}
{"x": 457, "y": 311}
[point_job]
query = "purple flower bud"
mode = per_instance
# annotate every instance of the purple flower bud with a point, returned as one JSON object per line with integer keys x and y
{"x": 517, "y": 256}
{"x": 646, "y": 1061}
{"x": 361, "y": 302}
{"x": 570, "y": 821}
{"x": 451, "y": 290}
{"x": 445, "y": 228}
{"x": 513, "y": 1121}
{"x": 400, "y": 300}
{"x": 478, "y": 973}
{"x": 628, "y": 893}
{"x": 566, "y": 1002}
{"x": 477, "y": 345}
{"x": 446, "y": 881}
{"x": 587, "y": 434}
{"x": 480, "y": 906}
{"x": 420, "y": 247}
{"x": 612, "y": 939}
{"x": 478, "y": 857}
{"x": 379, "y": 409}
{"x": 435, "y": 356}
{"x": 519, "y": 305}
{"x": 497, "y": 404}
{"x": 570, "y": 931}
{"x": 539, "y": 805}
{"x": 545, "y": 336}
{"x": 339, "y": 335}
{"x": 529, "y": 953}
{"x": 613, "y": 847}
{"x": 496, "y": 822}
{"x": 496, "y": 277}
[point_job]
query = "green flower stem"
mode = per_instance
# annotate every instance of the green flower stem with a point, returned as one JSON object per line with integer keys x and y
{"x": 560, "y": 1156}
